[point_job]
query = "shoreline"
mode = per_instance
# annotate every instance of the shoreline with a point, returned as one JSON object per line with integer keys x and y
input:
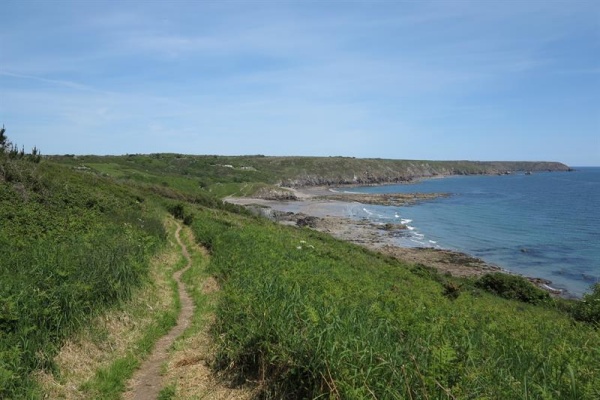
{"x": 325, "y": 210}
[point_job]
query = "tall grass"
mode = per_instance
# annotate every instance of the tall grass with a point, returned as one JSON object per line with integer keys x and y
{"x": 69, "y": 247}
{"x": 312, "y": 317}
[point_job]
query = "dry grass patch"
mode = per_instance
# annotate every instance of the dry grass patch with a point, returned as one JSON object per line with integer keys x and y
{"x": 112, "y": 334}
{"x": 188, "y": 370}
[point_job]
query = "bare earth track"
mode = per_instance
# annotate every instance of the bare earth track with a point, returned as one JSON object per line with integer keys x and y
{"x": 147, "y": 381}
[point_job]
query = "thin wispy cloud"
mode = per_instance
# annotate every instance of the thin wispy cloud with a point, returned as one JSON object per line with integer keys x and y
{"x": 55, "y": 82}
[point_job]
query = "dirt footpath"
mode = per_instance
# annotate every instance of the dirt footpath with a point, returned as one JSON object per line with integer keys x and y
{"x": 147, "y": 381}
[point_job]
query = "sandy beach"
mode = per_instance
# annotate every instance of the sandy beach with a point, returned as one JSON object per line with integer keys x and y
{"x": 325, "y": 210}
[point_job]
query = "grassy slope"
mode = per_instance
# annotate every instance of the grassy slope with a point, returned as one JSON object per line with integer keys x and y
{"x": 327, "y": 318}
{"x": 311, "y": 316}
{"x": 222, "y": 175}
{"x": 71, "y": 244}
{"x": 97, "y": 361}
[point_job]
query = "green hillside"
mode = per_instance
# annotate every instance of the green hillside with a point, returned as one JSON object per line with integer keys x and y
{"x": 71, "y": 245}
{"x": 301, "y": 314}
{"x": 315, "y": 317}
{"x": 224, "y": 175}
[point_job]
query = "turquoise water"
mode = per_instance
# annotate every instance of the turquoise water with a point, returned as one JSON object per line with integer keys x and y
{"x": 544, "y": 225}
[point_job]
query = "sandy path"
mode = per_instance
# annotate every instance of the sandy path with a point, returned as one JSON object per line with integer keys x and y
{"x": 147, "y": 381}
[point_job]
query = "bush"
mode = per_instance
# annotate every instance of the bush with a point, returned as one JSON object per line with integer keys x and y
{"x": 180, "y": 212}
{"x": 177, "y": 210}
{"x": 427, "y": 272}
{"x": 512, "y": 287}
{"x": 588, "y": 309}
{"x": 451, "y": 290}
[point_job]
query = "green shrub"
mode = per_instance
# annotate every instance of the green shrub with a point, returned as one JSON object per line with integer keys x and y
{"x": 181, "y": 212}
{"x": 512, "y": 287}
{"x": 177, "y": 210}
{"x": 588, "y": 309}
{"x": 452, "y": 290}
{"x": 427, "y": 272}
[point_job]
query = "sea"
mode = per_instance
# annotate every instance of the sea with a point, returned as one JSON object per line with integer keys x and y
{"x": 544, "y": 225}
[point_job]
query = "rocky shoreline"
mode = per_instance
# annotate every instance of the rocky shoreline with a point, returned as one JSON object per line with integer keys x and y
{"x": 388, "y": 199}
{"x": 323, "y": 210}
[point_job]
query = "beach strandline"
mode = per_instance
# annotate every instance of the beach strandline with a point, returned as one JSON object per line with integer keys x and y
{"x": 327, "y": 210}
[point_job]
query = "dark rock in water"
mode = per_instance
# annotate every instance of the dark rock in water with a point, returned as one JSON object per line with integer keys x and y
{"x": 399, "y": 233}
{"x": 589, "y": 278}
{"x": 387, "y": 227}
{"x": 309, "y": 221}
{"x": 544, "y": 284}
{"x": 282, "y": 215}
{"x": 539, "y": 281}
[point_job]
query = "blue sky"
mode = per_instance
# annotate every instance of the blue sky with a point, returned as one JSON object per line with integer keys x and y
{"x": 477, "y": 80}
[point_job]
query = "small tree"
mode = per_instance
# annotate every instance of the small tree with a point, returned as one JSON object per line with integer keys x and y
{"x": 12, "y": 150}
{"x": 35, "y": 155}
{"x": 4, "y": 143}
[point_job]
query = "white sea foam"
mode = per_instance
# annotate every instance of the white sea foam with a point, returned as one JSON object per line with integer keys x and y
{"x": 410, "y": 228}
{"x": 406, "y": 221}
{"x": 367, "y": 211}
{"x": 482, "y": 222}
{"x": 551, "y": 288}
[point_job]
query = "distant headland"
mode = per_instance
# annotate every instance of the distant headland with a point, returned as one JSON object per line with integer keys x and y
{"x": 331, "y": 171}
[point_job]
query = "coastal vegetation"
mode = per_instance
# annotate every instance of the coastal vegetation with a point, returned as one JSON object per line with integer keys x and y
{"x": 71, "y": 245}
{"x": 244, "y": 175}
{"x": 97, "y": 361}
{"x": 299, "y": 313}
{"x": 311, "y": 316}
{"x": 588, "y": 309}
{"x": 513, "y": 287}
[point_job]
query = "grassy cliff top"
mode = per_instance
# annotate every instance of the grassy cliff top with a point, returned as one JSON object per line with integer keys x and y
{"x": 215, "y": 173}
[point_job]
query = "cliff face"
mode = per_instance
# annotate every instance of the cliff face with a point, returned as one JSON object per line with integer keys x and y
{"x": 365, "y": 172}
